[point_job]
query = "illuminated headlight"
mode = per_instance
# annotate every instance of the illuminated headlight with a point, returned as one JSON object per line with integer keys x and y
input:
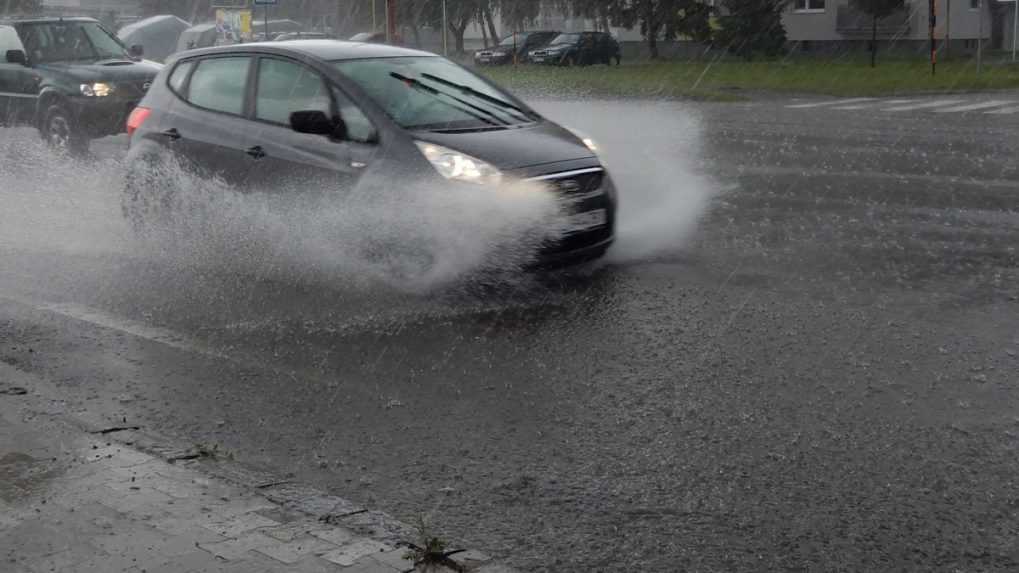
{"x": 590, "y": 143}
{"x": 97, "y": 89}
{"x": 458, "y": 166}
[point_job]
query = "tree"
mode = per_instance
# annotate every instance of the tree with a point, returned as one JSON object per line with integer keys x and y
{"x": 516, "y": 15}
{"x": 459, "y": 15}
{"x": 658, "y": 19}
{"x": 752, "y": 26}
{"x": 877, "y": 9}
{"x": 20, "y": 6}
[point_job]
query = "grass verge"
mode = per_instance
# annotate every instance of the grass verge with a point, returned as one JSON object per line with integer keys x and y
{"x": 726, "y": 80}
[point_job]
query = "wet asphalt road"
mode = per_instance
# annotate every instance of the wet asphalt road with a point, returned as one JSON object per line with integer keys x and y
{"x": 822, "y": 375}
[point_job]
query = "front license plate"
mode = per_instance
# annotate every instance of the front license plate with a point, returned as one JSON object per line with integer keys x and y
{"x": 587, "y": 220}
{"x": 484, "y": 59}
{"x": 538, "y": 59}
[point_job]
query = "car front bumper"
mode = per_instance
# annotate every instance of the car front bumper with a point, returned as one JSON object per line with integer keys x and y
{"x": 102, "y": 116}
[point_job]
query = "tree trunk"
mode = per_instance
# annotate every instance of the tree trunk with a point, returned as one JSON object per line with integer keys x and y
{"x": 484, "y": 33}
{"x": 873, "y": 43}
{"x": 486, "y": 13}
{"x": 458, "y": 31}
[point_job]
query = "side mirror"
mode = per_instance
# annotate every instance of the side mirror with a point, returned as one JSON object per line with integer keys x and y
{"x": 136, "y": 50}
{"x": 317, "y": 122}
{"x": 17, "y": 57}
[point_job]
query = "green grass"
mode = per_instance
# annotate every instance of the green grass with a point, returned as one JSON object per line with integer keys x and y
{"x": 725, "y": 80}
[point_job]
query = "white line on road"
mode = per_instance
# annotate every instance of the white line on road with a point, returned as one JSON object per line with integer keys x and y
{"x": 927, "y": 105}
{"x": 832, "y": 102}
{"x": 975, "y": 106}
{"x": 1005, "y": 111}
{"x": 876, "y": 103}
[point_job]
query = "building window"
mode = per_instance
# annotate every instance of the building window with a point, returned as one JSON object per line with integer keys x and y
{"x": 808, "y": 6}
{"x": 974, "y": 4}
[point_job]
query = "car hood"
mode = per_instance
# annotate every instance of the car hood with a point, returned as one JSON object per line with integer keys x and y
{"x": 105, "y": 71}
{"x": 514, "y": 148}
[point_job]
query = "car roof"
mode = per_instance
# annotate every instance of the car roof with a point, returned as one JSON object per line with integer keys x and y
{"x": 328, "y": 50}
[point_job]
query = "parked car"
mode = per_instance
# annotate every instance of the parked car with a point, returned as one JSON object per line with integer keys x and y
{"x": 579, "y": 48}
{"x": 295, "y": 115}
{"x": 369, "y": 37}
{"x": 158, "y": 35}
{"x": 70, "y": 78}
{"x": 206, "y": 35}
{"x": 522, "y": 42}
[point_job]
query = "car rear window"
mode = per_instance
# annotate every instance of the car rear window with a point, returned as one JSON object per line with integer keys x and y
{"x": 219, "y": 84}
{"x": 179, "y": 76}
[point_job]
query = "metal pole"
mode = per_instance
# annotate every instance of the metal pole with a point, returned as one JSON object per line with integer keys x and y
{"x": 980, "y": 39}
{"x": 445, "y": 28}
{"x": 388, "y": 39}
{"x": 265, "y": 38}
{"x": 933, "y": 22}
{"x": 1015, "y": 25}
{"x": 948, "y": 29}
{"x": 375, "y": 23}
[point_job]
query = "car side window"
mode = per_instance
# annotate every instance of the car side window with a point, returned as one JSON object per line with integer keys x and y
{"x": 179, "y": 76}
{"x": 9, "y": 41}
{"x": 285, "y": 87}
{"x": 359, "y": 127}
{"x": 219, "y": 84}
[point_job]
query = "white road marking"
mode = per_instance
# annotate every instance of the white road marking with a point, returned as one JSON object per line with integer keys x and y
{"x": 927, "y": 105}
{"x": 833, "y": 102}
{"x": 1005, "y": 111}
{"x": 975, "y": 106}
{"x": 876, "y": 104}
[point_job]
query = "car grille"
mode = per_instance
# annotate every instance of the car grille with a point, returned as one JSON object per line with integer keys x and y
{"x": 584, "y": 188}
{"x": 133, "y": 89}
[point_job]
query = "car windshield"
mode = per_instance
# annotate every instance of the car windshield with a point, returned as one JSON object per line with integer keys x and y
{"x": 432, "y": 93}
{"x": 566, "y": 39}
{"x": 71, "y": 41}
{"x": 513, "y": 39}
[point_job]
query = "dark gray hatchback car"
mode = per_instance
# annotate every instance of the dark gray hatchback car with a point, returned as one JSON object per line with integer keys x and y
{"x": 278, "y": 115}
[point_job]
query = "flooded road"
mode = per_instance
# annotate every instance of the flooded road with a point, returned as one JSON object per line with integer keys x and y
{"x": 801, "y": 354}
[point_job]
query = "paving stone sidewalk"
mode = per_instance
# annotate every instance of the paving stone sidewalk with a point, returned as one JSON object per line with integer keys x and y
{"x": 76, "y": 502}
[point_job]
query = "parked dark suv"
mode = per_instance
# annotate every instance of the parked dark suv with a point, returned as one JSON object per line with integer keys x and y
{"x": 522, "y": 42}
{"x": 70, "y": 78}
{"x": 307, "y": 113}
{"x": 579, "y": 48}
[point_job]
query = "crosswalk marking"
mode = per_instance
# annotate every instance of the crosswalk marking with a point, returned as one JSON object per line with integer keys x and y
{"x": 954, "y": 105}
{"x": 875, "y": 103}
{"x": 824, "y": 103}
{"x": 927, "y": 105}
{"x": 1005, "y": 110}
{"x": 975, "y": 106}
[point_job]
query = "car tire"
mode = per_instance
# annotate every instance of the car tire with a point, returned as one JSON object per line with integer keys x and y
{"x": 60, "y": 132}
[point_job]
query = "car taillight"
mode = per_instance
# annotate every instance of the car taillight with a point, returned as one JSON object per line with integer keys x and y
{"x": 137, "y": 118}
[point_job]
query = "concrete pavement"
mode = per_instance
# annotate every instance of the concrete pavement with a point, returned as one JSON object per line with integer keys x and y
{"x": 79, "y": 502}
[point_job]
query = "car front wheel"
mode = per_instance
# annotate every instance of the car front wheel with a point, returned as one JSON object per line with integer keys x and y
{"x": 58, "y": 130}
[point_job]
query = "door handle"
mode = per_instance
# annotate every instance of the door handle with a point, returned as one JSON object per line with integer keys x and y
{"x": 257, "y": 152}
{"x": 172, "y": 133}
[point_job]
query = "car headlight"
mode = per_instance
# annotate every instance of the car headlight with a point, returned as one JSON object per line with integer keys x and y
{"x": 590, "y": 143}
{"x": 452, "y": 164}
{"x": 97, "y": 89}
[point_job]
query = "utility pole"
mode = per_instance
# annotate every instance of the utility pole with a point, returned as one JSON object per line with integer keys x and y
{"x": 375, "y": 22}
{"x": 388, "y": 39}
{"x": 445, "y": 28}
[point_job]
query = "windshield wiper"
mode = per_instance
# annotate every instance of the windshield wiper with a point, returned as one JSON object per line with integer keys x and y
{"x": 482, "y": 95}
{"x": 465, "y": 107}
